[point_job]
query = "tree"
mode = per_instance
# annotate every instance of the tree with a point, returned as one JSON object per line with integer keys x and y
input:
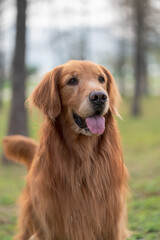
{"x": 18, "y": 115}
{"x": 83, "y": 32}
{"x": 1, "y": 77}
{"x": 120, "y": 63}
{"x": 1, "y": 56}
{"x": 142, "y": 16}
{"x": 139, "y": 58}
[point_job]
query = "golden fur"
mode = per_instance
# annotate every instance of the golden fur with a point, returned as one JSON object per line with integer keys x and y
{"x": 76, "y": 186}
{"x": 20, "y": 149}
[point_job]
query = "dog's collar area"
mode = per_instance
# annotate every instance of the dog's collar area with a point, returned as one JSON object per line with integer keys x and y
{"x": 80, "y": 122}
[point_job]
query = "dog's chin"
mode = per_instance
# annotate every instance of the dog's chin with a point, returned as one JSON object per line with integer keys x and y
{"x": 82, "y": 126}
{"x": 83, "y": 131}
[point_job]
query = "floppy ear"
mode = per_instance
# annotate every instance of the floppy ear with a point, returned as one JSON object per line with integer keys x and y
{"x": 46, "y": 96}
{"x": 114, "y": 96}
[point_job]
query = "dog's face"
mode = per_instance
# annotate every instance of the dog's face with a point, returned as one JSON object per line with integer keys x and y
{"x": 81, "y": 92}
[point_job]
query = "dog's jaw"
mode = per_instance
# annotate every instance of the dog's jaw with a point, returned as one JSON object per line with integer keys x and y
{"x": 81, "y": 125}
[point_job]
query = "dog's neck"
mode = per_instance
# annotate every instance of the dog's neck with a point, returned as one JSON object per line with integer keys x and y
{"x": 65, "y": 157}
{"x": 54, "y": 134}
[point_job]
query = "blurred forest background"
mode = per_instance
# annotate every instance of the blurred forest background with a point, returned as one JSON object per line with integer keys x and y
{"x": 122, "y": 35}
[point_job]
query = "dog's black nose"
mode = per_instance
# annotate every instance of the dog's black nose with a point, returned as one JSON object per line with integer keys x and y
{"x": 98, "y": 97}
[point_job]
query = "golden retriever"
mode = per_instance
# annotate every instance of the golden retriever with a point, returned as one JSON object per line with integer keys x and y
{"x": 77, "y": 182}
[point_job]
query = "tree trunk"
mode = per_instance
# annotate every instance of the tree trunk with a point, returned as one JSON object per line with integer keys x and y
{"x": 121, "y": 58}
{"x": 18, "y": 116}
{"x": 1, "y": 56}
{"x": 83, "y": 32}
{"x": 1, "y": 85}
{"x": 82, "y": 44}
{"x": 144, "y": 87}
{"x": 139, "y": 56}
{"x": 1, "y": 78}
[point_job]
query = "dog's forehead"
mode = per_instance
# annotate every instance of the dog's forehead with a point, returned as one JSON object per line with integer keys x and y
{"x": 81, "y": 68}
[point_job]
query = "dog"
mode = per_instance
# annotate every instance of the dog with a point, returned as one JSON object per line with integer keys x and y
{"x": 76, "y": 186}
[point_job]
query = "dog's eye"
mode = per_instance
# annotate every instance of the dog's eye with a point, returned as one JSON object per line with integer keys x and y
{"x": 101, "y": 79}
{"x": 72, "y": 81}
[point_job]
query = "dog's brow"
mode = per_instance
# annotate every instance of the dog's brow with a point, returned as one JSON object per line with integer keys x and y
{"x": 69, "y": 73}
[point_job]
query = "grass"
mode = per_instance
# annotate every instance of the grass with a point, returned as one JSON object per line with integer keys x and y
{"x": 141, "y": 146}
{"x": 141, "y": 143}
{"x": 11, "y": 184}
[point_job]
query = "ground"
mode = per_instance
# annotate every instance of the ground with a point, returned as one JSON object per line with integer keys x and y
{"x": 141, "y": 147}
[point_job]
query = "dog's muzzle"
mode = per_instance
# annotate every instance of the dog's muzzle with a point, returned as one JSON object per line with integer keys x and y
{"x": 95, "y": 123}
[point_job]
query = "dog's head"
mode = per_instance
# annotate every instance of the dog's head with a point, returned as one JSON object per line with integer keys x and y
{"x": 81, "y": 92}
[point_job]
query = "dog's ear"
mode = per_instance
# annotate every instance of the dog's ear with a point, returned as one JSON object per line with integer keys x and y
{"x": 46, "y": 95}
{"x": 114, "y": 96}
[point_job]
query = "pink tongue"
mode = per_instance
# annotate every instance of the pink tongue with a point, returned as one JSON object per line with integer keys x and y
{"x": 96, "y": 124}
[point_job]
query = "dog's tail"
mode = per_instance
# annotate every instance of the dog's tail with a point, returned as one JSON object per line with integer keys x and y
{"x": 20, "y": 149}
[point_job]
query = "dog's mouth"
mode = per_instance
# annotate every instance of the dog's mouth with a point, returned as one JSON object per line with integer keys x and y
{"x": 94, "y": 124}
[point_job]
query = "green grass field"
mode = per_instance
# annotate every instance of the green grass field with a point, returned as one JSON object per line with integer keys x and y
{"x": 141, "y": 145}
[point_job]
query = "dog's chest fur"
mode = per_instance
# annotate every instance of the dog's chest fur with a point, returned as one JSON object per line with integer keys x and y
{"x": 78, "y": 195}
